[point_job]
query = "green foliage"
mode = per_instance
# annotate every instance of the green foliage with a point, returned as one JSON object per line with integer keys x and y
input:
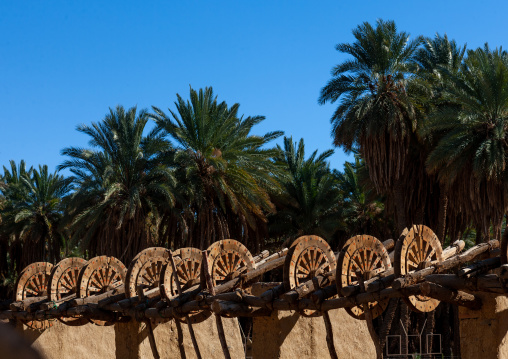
{"x": 122, "y": 183}
{"x": 310, "y": 202}
{"x": 225, "y": 171}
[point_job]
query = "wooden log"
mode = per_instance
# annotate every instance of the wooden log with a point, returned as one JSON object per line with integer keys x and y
{"x": 246, "y": 277}
{"x": 56, "y": 304}
{"x": 322, "y": 294}
{"x": 187, "y": 295}
{"x": 309, "y": 286}
{"x": 94, "y": 299}
{"x": 279, "y": 254}
{"x": 480, "y": 266}
{"x": 264, "y": 254}
{"x": 483, "y": 283}
{"x": 385, "y": 279}
{"x": 259, "y": 288}
{"x": 107, "y": 302}
{"x": 418, "y": 276}
{"x": 218, "y": 320}
{"x": 273, "y": 293}
{"x": 129, "y": 302}
{"x": 25, "y": 303}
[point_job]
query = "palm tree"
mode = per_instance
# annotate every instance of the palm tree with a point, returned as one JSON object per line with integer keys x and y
{"x": 310, "y": 202}
{"x": 33, "y": 212}
{"x": 437, "y": 60}
{"x": 378, "y": 106}
{"x": 226, "y": 172}
{"x": 363, "y": 212}
{"x": 470, "y": 157}
{"x": 123, "y": 184}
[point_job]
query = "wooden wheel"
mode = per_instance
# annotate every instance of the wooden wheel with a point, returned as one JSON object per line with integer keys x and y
{"x": 33, "y": 282}
{"x": 63, "y": 282}
{"x": 412, "y": 251}
{"x": 188, "y": 268}
{"x": 310, "y": 256}
{"x": 367, "y": 255}
{"x": 98, "y": 276}
{"x": 227, "y": 259}
{"x": 145, "y": 270}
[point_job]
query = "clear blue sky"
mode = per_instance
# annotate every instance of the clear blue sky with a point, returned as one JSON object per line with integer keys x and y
{"x": 65, "y": 63}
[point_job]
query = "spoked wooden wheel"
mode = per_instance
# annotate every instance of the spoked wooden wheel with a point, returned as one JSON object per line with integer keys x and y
{"x": 63, "y": 282}
{"x": 419, "y": 246}
{"x": 145, "y": 270}
{"x": 228, "y": 259}
{"x": 188, "y": 268}
{"x": 100, "y": 275}
{"x": 310, "y": 256}
{"x": 33, "y": 282}
{"x": 367, "y": 255}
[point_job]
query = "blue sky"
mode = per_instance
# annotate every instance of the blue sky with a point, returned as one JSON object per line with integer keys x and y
{"x": 65, "y": 63}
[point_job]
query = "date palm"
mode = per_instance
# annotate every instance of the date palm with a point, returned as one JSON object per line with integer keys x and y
{"x": 34, "y": 211}
{"x": 378, "y": 106}
{"x": 470, "y": 157}
{"x": 123, "y": 185}
{"x": 310, "y": 202}
{"x": 226, "y": 171}
{"x": 437, "y": 60}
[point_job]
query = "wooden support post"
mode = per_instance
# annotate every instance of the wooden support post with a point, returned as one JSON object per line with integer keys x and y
{"x": 189, "y": 324}
{"x": 218, "y": 320}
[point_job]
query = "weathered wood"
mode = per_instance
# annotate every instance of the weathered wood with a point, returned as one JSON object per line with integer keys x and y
{"x": 129, "y": 302}
{"x": 230, "y": 309}
{"x": 94, "y": 299}
{"x": 259, "y": 288}
{"x": 482, "y": 283}
{"x": 264, "y": 254}
{"x": 324, "y": 293}
{"x": 309, "y": 286}
{"x": 187, "y": 295}
{"x": 56, "y": 303}
{"x": 25, "y": 303}
{"x": 272, "y": 257}
{"x": 418, "y": 276}
{"x": 385, "y": 279}
{"x": 249, "y": 276}
{"x": 480, "y": 266}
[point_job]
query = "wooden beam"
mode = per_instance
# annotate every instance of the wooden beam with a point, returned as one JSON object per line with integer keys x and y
{"x": 418, "y": 276}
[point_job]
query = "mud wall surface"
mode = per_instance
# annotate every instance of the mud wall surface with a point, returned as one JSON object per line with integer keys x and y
{"x": 130, "y": 340}
{"x": 289, "y": 335}
{"x": 484, "y": 333}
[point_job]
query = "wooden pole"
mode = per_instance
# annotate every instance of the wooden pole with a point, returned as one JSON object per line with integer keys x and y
{"x": 418, "y": 276}
{"x": 218, "y": 320}
{"x": 189, "y": 324}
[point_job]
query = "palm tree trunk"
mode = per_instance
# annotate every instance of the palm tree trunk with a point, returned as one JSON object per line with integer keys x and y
{"x": 443, "y": 206}
{"x": 398, "y": 193}
{"x": 387, "y": 322}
